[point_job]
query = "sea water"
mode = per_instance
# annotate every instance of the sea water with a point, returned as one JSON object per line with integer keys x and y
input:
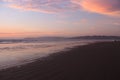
{"x": 16, "y": 53}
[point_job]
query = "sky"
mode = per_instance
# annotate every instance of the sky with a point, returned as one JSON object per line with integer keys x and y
{"x": 32, "y": 18}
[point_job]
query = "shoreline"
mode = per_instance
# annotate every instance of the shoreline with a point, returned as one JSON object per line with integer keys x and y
{"x": 33, "y": 59}
{"x": 26, "y": 56}
{"x": 95, "y": 61}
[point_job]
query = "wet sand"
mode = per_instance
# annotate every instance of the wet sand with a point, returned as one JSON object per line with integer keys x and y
{"x": 96, "y": 61}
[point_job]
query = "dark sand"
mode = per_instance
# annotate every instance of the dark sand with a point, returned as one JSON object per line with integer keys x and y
{"x": 98, "y": 61}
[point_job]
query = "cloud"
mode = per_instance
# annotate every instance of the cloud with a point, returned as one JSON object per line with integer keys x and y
{"x": 107, "y": 7}
{"x": 46, "y": 6}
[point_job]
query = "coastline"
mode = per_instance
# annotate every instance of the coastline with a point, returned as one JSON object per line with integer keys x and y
{"x": 96, "y": 61}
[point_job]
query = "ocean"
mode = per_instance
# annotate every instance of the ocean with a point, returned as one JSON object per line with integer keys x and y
{"x": 19, "y": 52}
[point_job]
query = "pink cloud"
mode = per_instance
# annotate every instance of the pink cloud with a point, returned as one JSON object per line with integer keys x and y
{"x": 46, "y": 6}
{"x": 108, "y": 7}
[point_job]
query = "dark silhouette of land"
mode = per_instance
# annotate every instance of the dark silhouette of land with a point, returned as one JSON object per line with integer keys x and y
{"x": 97, "y": 37}
{"x": 96, "y": 61}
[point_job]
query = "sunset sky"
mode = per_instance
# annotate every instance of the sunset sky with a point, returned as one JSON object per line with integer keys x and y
{"x": 27, "y": 18}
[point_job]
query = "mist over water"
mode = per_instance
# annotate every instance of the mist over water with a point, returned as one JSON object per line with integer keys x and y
{"x": 14, "y": 53}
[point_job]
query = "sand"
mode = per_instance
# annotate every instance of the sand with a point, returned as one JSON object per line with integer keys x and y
{"x": 96, "y": 61}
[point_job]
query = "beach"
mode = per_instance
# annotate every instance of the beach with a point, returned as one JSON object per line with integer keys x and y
{"x": 95, "y": 61}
